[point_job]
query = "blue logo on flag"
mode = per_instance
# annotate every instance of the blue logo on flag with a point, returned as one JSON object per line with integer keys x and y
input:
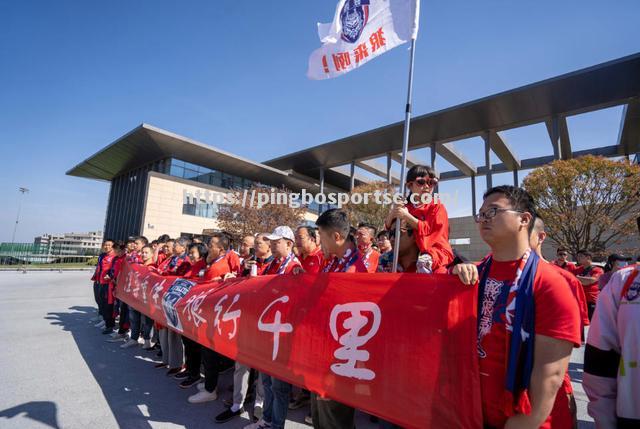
{"x": 354, "y": 16}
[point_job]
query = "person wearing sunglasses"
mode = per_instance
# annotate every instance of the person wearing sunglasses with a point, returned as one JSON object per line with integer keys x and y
{"x": 528, "y": 320}
{"x": 561, "y": 260}
{"x": 427, "y": 217}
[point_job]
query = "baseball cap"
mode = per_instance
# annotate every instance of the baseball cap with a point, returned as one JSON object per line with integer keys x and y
{"x": 281, "y": 232}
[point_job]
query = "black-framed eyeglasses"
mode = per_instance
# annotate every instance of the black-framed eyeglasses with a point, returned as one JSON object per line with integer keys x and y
{"x": 490, "y": 213}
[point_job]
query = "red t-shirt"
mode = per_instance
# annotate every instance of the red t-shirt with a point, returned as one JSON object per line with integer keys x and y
{"x": 221, "y": 266}
{"x": 568, "y": 266}
{"x": 578, "y": 293}
{"x": 432, "y": 235}
{"x": 313, "y": 262}
{"x": 556, "y": 316}
{"x": 370, "y": 259}
{"x": 195, "y": 269}
{"x": 591, "y": 290}
{"x": 275, "y": 265}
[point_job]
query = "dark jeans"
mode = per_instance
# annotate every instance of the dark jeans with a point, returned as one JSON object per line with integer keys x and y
{"x": 107, "y": 309}
{"x": 276, "y": 401}
{"x": 192, "y": 357}
{"x": 97, "y": 297}
{"x": 139, "y": 323}
{"x": 123, "y": 325}
{"x": 591, "y": 307}
{"x": 331, "y": 414}
{"x": 212, "y": 362}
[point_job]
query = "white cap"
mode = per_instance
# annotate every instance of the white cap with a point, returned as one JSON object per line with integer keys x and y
{"x": 281, "y": 232}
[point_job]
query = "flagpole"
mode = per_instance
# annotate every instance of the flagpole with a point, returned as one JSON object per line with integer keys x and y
{"x": 405, "y": 149}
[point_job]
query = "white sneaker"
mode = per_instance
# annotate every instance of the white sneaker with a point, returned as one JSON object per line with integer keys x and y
{"x": 129, "y": 343}
{"x": 200, "y": 386}
{"x": 260, "y": 424}
{"x": 203, "y": 396}
{"x": 101, "y": 325}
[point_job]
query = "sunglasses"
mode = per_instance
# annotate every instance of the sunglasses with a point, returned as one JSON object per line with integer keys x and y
{"x": 431, "y": 181}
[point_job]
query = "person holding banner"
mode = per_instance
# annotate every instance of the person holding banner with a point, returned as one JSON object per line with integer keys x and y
{"x": 178, "y": 264}
{"x": 141, "y": 324}
{"x": 528, "y": 320}
{"x": 333, "y": 228}
{"x": 310, "y": 253}
{"x": 365, "y": 235}
{"x": 426, "y": 216}
{"x": 276, "y": 392}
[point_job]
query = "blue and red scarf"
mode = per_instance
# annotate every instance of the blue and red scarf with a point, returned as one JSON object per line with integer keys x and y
{"x": 520, "y": 354}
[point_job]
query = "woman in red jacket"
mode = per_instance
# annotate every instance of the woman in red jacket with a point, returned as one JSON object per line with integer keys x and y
{"x": 428, "y": 217}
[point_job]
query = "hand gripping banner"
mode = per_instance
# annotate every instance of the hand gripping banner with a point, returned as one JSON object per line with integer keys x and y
{"x": 399, "y": 346}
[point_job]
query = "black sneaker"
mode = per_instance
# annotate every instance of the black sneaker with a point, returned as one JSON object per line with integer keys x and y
{"x": 173, "y": 371}
{"x": 182, "y": 375}
{"x": 227, "y": 415}
{"x": 188, "y": 382}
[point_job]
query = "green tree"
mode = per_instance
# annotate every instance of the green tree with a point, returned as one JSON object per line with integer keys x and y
{"x": 589, "y": 202}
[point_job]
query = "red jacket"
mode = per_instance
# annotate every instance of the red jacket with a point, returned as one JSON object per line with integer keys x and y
{"x": 194, "y": 270}
{"x": 432, "y": 235}
{"x": 116, "y": 267}
{"x": 175, "y": 265}
{"x": 102, "y": 269}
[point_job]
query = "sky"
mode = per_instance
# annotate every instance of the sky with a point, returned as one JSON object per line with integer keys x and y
{"x": 77, "y": 75}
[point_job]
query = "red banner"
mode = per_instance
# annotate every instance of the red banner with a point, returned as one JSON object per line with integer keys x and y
{"x": 399, "y": 346}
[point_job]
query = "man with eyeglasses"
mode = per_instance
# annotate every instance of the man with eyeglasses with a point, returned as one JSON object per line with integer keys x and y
{"x": 528, "y": 321}
{"x": 561, "y": 260}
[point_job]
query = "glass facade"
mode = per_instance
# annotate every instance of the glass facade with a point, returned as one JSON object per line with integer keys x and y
{"x": 198, "y": 173}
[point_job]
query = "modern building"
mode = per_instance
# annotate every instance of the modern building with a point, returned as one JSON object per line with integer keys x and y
{"x": 151, "y": 170}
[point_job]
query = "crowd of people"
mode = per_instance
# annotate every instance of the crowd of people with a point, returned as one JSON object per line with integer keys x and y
{"x": 531, "y": 313}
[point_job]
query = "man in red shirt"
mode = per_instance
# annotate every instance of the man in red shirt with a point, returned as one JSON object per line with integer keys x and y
{"x": 333, "y": 229}
{"x": 588, "y": 275}
{"x": 178, "y": 264}
{"x": 284, "y": 260}
{"x": 527, "y": 324}
{"x": 244, "y": 251}
{"x": 261, "y": 258}
{"x": 561, "y": 260}
{"x": 311, "y": 256}
{"x": 220, "y": 258}
{"x": 365, "y": 234}
{"x": 101, "y": 280}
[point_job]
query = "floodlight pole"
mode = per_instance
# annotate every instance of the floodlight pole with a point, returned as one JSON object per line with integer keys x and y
{"x": 15, "y": 227}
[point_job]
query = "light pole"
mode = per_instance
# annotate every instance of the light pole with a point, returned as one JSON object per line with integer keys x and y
{"x": 22, "y": 192}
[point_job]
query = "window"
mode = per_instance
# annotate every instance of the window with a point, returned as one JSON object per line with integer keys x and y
{"x": 200, "y": 209}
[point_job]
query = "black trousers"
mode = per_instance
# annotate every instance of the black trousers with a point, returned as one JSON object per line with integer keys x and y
{"x": 212, "y": 362}
{"x": 192, "y": 357}
{"x": 97, "y": 297}
{"x": 331, "y": 414}
{"x": 107, "y": 309}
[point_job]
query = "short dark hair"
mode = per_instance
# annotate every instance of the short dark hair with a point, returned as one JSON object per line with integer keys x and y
{"x": 108, "y": 239}
{"x": 310, "y": 230}
{"x": 143, "y": 239}
{"x": 421, "y": 171}
{"x": 382, "y": 233}
{"x": 584, "y": 252}
{"x": 336, "y": 220}
{"x": 155, "y": 242}
{"x": 223, "y": 239}
{"x": 119, "y": 244}
{"x": 163, "y": 238}
{"x": 202, "y": 249}
{"x": 562, "y": 249}
{"x": 183, "y": 241}
{"x": 519, "y": 199}
{"x": 371, "y": 228}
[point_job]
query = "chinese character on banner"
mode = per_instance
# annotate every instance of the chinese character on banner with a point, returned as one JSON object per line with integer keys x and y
{"x": 377, "y": 40}
{"x": 228, "y": 316}
{"x": 364, "y": 29}
{"x": 192, "y": 308}
{"x": 353, "y": 338}
{"x": 360, "y": 53}
{"x": 341, "y": 60}
{"x": 277, "y": 326}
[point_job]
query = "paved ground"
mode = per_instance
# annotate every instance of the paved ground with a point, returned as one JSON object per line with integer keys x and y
{"x": 57, "y": 370}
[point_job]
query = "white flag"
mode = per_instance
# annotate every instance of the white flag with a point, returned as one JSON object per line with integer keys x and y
{"x": 361, "y": 30}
